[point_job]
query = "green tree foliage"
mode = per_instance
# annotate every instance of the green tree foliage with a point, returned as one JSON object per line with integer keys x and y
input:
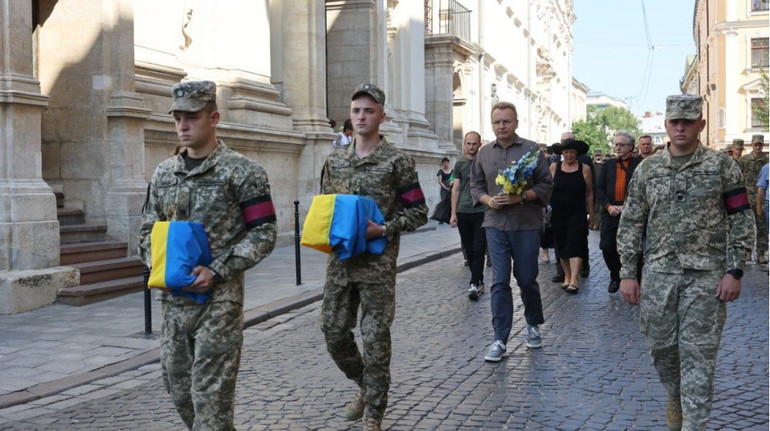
{"x": 602, "y": 123}
{"x": 593, "y": 135}
{"x": 762, "y": 111}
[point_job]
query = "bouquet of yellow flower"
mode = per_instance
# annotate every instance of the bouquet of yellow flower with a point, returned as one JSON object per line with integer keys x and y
{"x": 514, "y": 178}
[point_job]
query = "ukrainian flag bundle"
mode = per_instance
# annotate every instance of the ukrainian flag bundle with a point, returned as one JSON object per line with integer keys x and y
{"x": 176, "y": 248}
{"x": 338, "y": 222}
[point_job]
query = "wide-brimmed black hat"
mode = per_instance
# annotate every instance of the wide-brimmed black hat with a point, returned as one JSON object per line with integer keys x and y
{"x": 571, "y": 144}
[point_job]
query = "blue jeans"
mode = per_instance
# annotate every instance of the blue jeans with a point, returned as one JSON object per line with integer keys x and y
{"x": 521, "y": 247}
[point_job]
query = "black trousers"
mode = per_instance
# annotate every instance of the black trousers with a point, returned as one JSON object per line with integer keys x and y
{"x": 474, "y": 242}
{"x": 608, "y": 242}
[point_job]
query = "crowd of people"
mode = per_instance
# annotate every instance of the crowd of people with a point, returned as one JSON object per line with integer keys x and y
{"x": 677, "y": 227}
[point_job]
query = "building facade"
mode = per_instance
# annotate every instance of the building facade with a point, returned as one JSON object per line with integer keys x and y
{"x": 602, "y": 100}
{"x": 731, "y": 38}
{"x": 653, "y": 124}
{"x": 86, "y": 90}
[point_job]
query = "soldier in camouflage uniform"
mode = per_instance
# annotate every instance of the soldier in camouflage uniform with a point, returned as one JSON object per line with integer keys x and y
{"x": 736, "y": 149}
{"x": 692, "y": 203}
{"x": 750, "y": 165}
{"x": 229, "y": 194}
{"x": 374, "y": 168}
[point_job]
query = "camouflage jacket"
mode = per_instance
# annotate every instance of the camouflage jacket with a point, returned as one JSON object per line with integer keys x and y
{"x": 750, "y": 166}
{"x": 388, "y": 177}
{"x": 229, "y": 194}
{"x": 695, "y": 217}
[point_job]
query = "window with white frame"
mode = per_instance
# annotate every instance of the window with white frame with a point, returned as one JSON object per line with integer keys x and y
{"x": 759, "y": 53}
{"x": 759, "y": 5}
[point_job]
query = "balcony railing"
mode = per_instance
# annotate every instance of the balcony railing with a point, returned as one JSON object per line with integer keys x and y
{"x": 447, "y": 17}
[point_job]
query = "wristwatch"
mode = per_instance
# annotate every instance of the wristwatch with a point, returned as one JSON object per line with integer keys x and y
{"x": 523, "y": 197}
{"x": 736, "y": 273}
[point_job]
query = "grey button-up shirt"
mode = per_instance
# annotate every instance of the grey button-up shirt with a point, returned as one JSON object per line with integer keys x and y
{"x": 492, "y": 158}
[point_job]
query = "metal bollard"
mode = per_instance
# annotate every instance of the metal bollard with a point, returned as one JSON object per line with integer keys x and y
{"x": 297, "y": 262}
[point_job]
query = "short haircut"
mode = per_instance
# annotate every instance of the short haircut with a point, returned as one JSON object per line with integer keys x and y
{"x": 445, "y": 159}
{"x": 472, "y": 132}
{"x": 210, "y": 107}
{"x": 504, "y": 105}
{"x": 629, "y": 137}
{"x": 348, "y": 125}
{"x": 646, "y": 136}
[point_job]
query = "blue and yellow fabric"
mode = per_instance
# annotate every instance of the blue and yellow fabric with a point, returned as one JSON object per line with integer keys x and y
{"x": 338, "y": 222}
{"x": 176, "y": 248}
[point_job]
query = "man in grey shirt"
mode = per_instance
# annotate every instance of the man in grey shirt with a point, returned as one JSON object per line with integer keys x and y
{"x": 513, "y": 224}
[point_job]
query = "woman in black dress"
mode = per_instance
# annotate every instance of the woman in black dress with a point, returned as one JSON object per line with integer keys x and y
{"x": 572, "y": 203}
{"x": 442, "y": 176}
{"x": 443, "y": 210}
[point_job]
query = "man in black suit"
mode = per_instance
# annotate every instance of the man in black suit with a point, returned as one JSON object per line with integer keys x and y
{"x": 611, "y": 190}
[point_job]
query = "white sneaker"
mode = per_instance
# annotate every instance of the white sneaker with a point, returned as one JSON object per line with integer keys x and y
{"x": 480, "y": 287}
{"x": 473, "y": 292}
{"x": 533, "y": 337}
{"x": 496, "y": 352}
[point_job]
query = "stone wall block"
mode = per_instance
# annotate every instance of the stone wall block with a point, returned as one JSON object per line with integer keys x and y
{"x": 22, "y": 291}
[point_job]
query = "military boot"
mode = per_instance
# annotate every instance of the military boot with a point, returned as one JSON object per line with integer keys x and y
{"x": 674, "y": 414}
{"x": 373, "y": 424}
{"x": 355, "y": 409}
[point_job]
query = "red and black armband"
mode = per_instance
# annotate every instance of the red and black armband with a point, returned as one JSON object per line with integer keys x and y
{"x": 411, "y": 195}
{"x": 258, "y": 211}
{"x": 736, "y": 200}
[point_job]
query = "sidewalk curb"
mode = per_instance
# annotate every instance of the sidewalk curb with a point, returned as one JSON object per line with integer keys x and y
{"x": 251, "y": 317}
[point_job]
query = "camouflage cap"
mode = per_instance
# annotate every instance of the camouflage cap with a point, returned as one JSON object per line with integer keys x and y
{"x": 192, "y": 96}
{"x": 372, "y": 91}
{"x": 758, "y": 138}
{"x": 683, "y": 106}
{"x": 737, "y": 143}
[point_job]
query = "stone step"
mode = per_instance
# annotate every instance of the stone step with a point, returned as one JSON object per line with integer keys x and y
{"x": 109, "y": 269}
{"x": 95, "y": 292}
{"x": 92, "y": 251}
{"x": 69, "y": 216}
{"x": 78, "y": 233}
{"x": 59, "y": 199}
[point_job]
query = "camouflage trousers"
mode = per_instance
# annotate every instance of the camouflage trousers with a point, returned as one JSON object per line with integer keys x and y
{"x": 371, "y": 371}
{"x": 682, "y": 321}
{"x": 200, "y": 355}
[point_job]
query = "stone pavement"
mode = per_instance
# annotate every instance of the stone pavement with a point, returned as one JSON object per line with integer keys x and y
{"x": 593, "y": 373}
{"x": 55, "y": 348}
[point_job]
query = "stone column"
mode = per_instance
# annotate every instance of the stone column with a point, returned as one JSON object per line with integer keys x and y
{"x": 29, "y": 230}
{"x": 409, "y": 66}
{"x": 355, "y": 50}
{"x": 125, "y": 132}
{"x": 303, "y": 49}
{"x": 439, "y": 71}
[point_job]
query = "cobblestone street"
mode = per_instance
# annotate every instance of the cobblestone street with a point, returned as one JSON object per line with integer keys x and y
{"x": 593, "y": 372}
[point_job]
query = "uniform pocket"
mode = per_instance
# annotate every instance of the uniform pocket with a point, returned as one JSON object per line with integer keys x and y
{"x": 209, "y": 193}
{"x": 167, "y": 191}
{"x": 338, "y": 177}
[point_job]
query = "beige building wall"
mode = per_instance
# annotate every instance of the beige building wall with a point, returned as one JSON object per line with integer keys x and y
{"x": 104, "y": 69}
{"x": 723, "y": 72}
{"x": 520, "y": 52}
{"x": 579, "y": 101}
